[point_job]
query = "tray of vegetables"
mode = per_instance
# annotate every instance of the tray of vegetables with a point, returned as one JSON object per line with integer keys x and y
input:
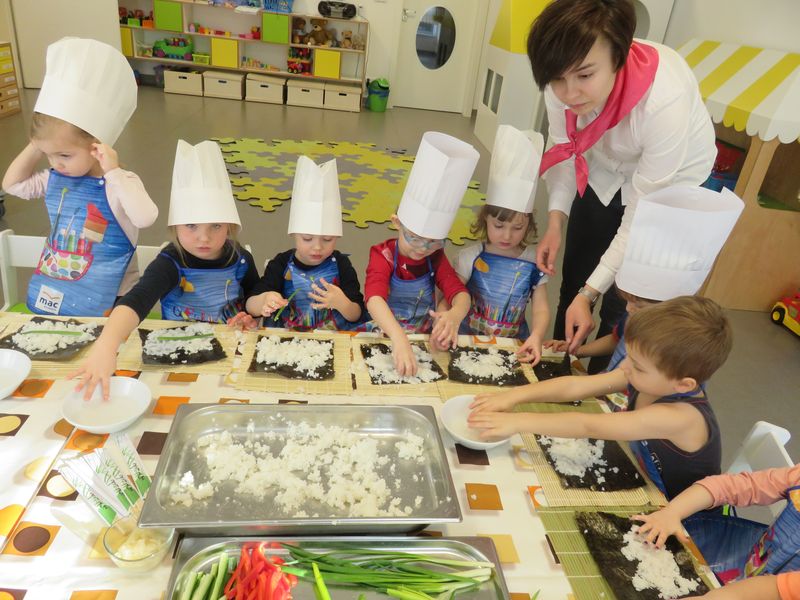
{"x": 337, "y": 568}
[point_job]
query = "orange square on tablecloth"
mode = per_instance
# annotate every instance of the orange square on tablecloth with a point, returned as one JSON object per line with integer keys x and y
{"x": 182, "y": 377}
{"x": 31, "y": 539}
{"x": 83, "y": 441}
{"x": 504, "y": 544}
{"x": 532, "y": 489}
{"x": 127, "y": 373}
{"x": 9, "y": 515}
{"x": 94, "y": 595}
{"x": 483, "y": 496}
{"x": 519, "y": 596}
{"x": 168, "y": 405}
{"x": 33, "y": 388}
{"x": 477, "y": 341}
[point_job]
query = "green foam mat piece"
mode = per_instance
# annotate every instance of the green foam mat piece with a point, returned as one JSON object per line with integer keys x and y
{"x": 371, "y": 179}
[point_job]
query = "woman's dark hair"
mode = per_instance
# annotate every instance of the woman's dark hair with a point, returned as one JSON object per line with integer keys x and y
{"x": 563, "y": 34}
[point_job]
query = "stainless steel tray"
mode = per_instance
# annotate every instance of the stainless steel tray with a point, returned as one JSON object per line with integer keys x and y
{"x": 227, "y": 513}
{"x": 201, "y": 553}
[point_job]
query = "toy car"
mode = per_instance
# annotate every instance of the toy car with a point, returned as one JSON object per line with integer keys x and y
{"x": 786, "y": 311}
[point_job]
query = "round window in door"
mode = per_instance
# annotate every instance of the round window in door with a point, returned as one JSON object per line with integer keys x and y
{"x": 436, "y": 36}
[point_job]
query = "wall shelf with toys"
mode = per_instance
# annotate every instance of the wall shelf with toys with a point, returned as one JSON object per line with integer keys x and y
{"x": 233, "y": 35}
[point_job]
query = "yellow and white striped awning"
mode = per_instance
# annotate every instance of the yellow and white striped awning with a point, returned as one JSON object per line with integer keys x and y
{"x": 752, "y": 89}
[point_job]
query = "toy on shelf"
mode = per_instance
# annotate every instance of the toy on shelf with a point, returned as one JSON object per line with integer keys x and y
{"x": 254, "y": 63}
{"x": 299, "y": 61}
{"x": 786, "y": 312}
{"x": 177, "y": 48}
{"x": 298, "y": 30}
{"x": 281, "y": 6}
{"x": 135, "y": 18}
{"x": 358, "y": 42}
{"x": 347, "y": 39}
{"x": 319, "y": 36}
{"x": 201, "y": 59}
{"x": 144, "y": 50}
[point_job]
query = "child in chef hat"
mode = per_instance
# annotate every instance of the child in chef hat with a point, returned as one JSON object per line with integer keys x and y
{"x": 675, "y": 237}
{"x": 403, "y": 272}
{"x": 313, "y": 285}
{"x": 202, "y": 275}
{"x": 501, "y": 273}
{"x": 96, "y": 209}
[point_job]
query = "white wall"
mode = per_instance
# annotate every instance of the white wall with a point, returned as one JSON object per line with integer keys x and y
{"x": 765, "y": 23}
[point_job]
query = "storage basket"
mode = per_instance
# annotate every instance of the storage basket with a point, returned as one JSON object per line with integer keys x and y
{"x": 282, "y": 6}
{"x": 201, "y": 59}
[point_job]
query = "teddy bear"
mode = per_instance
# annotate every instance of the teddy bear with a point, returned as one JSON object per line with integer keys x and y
{"x": 318, "y": 36}
{"x": 347, "y": 39}
{"x": 298, "y": 30}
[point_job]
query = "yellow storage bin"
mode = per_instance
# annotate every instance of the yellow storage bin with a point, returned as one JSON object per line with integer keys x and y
{"x": 327, "y": 63}
{"x": 126, "y": 38}
{"x": 225, "y": 53}
{"x": 6, "y": 65}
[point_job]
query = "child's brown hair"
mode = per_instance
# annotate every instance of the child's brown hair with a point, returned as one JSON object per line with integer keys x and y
{"x": 43, "y": 125}
{"x": 479, "y": 227}
{"x": 563, "y": 34}
{"x": 232, "y": 237}
{"x": 688, "y": 336}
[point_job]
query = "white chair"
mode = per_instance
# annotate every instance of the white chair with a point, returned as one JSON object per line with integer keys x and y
{"x": 763, "y": 448}
{"x": 23, "y": 251}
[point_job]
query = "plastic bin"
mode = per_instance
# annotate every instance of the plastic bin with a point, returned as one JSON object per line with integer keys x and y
{"x": 378, "y": 95}
{"x": 282, "y": 6}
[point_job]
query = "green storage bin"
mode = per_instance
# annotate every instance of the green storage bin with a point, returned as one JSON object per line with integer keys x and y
{"x": 378, "y": 95}
{"x": 168, "y": 15}
{"x": 274, "y": 28}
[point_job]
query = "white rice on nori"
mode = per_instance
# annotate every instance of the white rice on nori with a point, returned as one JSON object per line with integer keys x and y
{"x": 160, "y": 347}
{"x": 304, "y": 355}
{"x": 656, "y": 568}
{"x": 381, "y": 367}
{"x": 46, "y": 343}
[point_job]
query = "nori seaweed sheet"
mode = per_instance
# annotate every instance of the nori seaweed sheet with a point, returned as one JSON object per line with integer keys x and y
{"x": 183, "y": 357}
{"x": 368, "y": 349}
{"x": 321, "y": 374}
{"x": 547, "y": 369}
{"x": 626, "y": 478}
{"x": 603, "y": 535}
{"x": 515, "y": 376}
{"x": 62, "y": 354}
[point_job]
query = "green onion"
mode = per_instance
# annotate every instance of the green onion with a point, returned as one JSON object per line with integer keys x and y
{"x": 401, "y": 575}
{"x": 319, "y": 584}
{"x": 52, "y": 332}
{"x": 173, "y": 338}
{"x": 289, "y": 299}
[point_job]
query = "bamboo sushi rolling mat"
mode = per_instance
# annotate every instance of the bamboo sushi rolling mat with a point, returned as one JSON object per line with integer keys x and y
{"x": 572, "y": 553}
{"x": 364, "y": 384}
{"x": 341, "y": 383}
{"x": 129, "y": 357}
{"x": 48, "y": 368}
{"x": 557, "y": 495}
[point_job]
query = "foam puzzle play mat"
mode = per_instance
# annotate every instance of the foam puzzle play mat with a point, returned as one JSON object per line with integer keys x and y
{"x": 371, "y": 179}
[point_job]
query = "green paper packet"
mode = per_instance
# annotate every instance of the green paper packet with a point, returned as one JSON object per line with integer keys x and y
{"x": 106, "y": 513}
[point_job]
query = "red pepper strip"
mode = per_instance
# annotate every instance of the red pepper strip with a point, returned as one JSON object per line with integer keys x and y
{"x": 252, "y": 577}
{"x": 262, "y": 587}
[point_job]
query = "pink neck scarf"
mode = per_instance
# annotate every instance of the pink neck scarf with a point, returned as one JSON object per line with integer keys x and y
{"x": 632, "y": 81}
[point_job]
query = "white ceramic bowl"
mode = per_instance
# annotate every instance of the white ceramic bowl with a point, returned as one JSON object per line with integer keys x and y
{"x": 128, "y": 400}
{"x": 14, "y": 368}
{"x": 454, "y": 415}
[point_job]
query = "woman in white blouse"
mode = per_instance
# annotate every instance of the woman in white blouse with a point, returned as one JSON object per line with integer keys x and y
{"x": 626, "y": 119}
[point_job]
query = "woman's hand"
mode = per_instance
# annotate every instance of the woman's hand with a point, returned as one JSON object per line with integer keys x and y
{"x": 578, "y": 322}
{"x": 548, "y": 246}
{"x": 556, "y": 345}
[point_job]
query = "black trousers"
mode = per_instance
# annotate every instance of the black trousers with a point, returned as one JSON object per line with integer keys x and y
{"x": 590, "y": 229}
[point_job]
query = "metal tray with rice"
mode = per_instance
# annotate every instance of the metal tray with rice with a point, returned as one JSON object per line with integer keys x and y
{"x": 300, "y": 470}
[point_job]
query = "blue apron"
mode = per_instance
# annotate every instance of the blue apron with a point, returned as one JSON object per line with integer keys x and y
{"x": 209, "y": 295}
{"x": 736, "y": 548}
{"x": 500, "y": 288}
{"x": 410, "y": 300}
{"x": 620, "y": 352}
{"x": 86, "y": 254}
{"x": 299, "y": 315}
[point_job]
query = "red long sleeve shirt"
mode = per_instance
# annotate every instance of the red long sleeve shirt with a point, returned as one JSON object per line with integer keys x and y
{"x": 381, "y": 261}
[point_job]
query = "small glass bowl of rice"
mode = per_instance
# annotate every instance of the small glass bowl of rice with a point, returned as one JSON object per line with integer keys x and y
{"x": 135, "y": 548}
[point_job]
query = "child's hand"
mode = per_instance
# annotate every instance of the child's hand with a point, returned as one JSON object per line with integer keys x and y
{"x": 327, "y": 295}
{"x": 494, "y": 425}
{"x": 660, "y": 525}
{"x": 100, "y": 365}
{"x": 556, "y": 345}
{"x": 404, "y": 360}
{"x": 444, "y": 334}
{"x": 272, "y": 302}
{"x": 493, "y": 402}
{"x": 242, "y": 321}
{"x": 531, "y": 350}
{"x": 106, "y": 156}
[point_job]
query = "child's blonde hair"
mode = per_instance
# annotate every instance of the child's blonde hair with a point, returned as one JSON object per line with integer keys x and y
{"x": 479, "y": 227}
{"x": 688, "y": 336}
{"x": 42, "y": 127}
{"x": 233, "y": 230}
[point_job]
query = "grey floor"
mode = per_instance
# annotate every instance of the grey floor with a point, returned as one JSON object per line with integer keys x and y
{"x": 760, "y": 381}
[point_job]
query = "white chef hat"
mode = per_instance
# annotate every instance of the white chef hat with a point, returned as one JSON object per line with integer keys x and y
{"x": 316, "y": 208}
{"x": 437, "y": 182}
{"x": 514, "y": 169}
{"x": 90, "y": 85}
{"x": 676, "y": 234}
{"x": 201, "y": 189}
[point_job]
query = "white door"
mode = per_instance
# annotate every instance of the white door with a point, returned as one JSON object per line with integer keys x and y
{"x": 438, "y": 54}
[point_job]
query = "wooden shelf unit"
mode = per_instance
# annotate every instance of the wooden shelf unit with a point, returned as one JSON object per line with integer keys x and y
{"x": 9, "y": 90}
{"x": 229, "y": 52}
